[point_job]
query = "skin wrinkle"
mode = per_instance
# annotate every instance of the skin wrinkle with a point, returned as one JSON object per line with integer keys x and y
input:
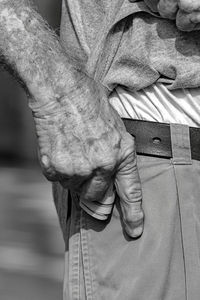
{"x": 68, "y": 108}
{"x": 33, "y": 58}
{"x": 185, "y": 12}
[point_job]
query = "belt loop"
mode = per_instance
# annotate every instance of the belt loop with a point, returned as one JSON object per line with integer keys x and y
{"x": 180, "y": 140}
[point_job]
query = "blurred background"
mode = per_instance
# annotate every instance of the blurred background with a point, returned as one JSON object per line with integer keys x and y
{"x": 31, "y": 246}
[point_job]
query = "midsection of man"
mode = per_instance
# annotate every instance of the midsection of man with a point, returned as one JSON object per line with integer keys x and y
{"x": 151, "y": 71}
{"x": 158, "y": 104}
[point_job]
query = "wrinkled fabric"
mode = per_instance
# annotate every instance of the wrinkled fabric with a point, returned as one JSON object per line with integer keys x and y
{"x": 123, "y": 43}
{"x": 102, "y": 262}
{"x": 158, "y": 104}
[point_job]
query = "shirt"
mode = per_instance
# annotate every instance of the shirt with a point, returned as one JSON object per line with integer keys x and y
{"x": 122, "y": 43}
{"x": 158, "y": 104}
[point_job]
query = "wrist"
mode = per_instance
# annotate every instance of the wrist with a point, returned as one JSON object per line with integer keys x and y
{"x": 65, "y": 94}
{"x": 45, "y": 110}
{"x": 40, "y": 61}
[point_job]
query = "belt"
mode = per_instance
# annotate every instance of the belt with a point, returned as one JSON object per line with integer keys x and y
{"x": 154, "y": 139}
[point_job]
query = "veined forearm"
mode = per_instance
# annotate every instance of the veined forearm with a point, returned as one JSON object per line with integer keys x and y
{"x": 34, "y": 52}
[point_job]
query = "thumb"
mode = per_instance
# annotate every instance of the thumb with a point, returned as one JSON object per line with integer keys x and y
{"x": 128, "y": 187}
{"x": 188, "y": 21}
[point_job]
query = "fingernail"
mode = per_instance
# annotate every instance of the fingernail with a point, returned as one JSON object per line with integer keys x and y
{"x": 134, "y": 227}
{"x": 134, "y": 232}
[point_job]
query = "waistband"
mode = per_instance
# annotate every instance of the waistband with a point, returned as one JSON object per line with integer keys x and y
{"x": 176, "y": 141}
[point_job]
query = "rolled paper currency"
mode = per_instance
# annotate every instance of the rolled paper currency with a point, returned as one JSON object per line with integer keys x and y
{"x": 100, "y": 210}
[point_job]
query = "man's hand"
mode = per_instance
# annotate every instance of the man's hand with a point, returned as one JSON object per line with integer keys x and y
{"x": 82, "y": 141}
{"x": 185, "y": 12}
{"x": 85, "y": 146}
{"x": 188, "y": 16}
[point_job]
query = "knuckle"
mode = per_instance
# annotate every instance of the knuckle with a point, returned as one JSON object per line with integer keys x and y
{"x": 47, "y": 168}
{"x": 116, "y": 137}
{"x": 83, "y": 169}
{"x": 107, "y": 164}
{"x": 56, "y": 167}
{"x": 183, "y": 22}
{"x": 188, "y": 6}
{"x": 128, "y": 143}
{"x": 167, "y": 7}
{"x": 45, "y": 161}
{"x": 60, "y": 164}
{"x": 131, "y": 141}
{"x": 71, "y": 166}
{"x": 129, "y": 138}
{"x": 106, "y": 161}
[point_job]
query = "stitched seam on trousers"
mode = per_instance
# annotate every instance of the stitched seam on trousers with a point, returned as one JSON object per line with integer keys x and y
{"x": 66, "y": 289}
{"x": 181, "y": 230}
{"x": 190, "y": 238}
{"x": 86, "y": 259}
{"x": 74, "y": 259}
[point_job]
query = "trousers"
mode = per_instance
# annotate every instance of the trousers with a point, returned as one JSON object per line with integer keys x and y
{"x": 103, "y": 263}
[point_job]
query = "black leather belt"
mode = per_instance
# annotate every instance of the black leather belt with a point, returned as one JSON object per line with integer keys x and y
{"x": 154, "y": 138}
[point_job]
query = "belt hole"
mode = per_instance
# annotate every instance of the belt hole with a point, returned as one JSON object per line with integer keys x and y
{"x": 156, "y": 140}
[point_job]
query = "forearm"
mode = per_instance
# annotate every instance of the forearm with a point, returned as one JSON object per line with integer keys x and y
{"x": 35, "y": 53}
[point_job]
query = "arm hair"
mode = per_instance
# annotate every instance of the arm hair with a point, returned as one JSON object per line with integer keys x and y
{"x": 34, "y": 53}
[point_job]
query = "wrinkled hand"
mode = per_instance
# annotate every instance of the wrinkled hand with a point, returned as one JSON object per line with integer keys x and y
{"x": 85, "y": 146}
{"x": 185, "y": 12}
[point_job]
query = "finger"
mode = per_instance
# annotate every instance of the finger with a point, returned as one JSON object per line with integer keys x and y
{"x": 128, "y": 187}
{"x": 95, "y": 188}
{"x": 189, "y": 5}
{"x": 100, "y": 209}
{"x": 186, "y": 21}
{"x": 168, "y": 8}
{"x": 195, "y": 18}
